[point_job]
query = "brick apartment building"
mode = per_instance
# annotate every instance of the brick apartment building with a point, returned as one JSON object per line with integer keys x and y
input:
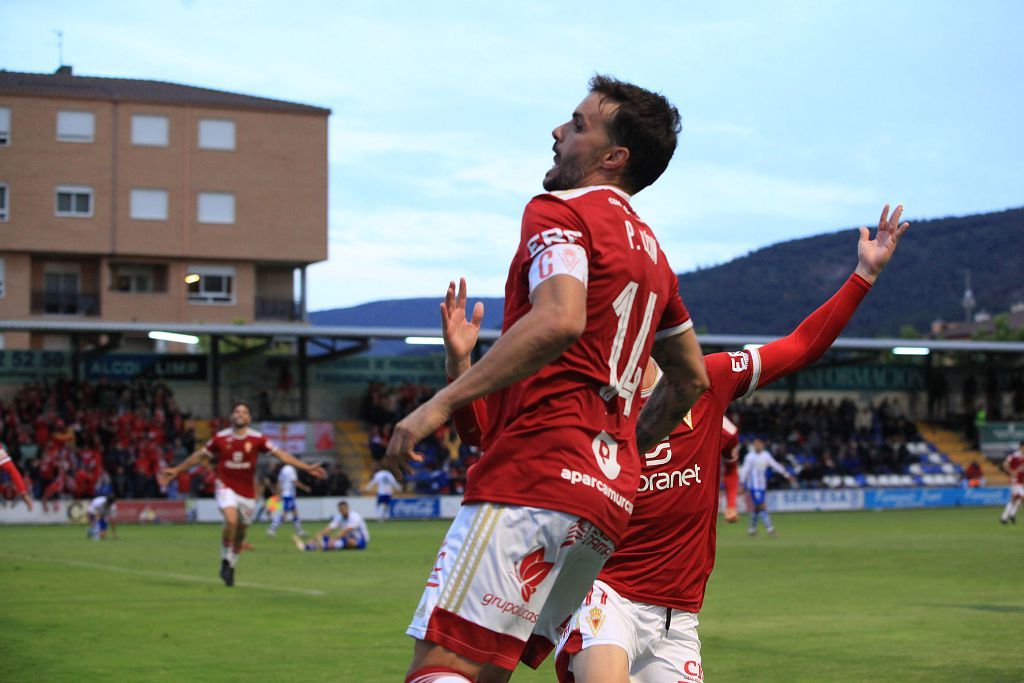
{"x": 132, "y": 200}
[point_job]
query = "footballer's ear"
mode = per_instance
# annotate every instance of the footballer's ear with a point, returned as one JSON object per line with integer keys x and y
{"x": 615, "y": 158}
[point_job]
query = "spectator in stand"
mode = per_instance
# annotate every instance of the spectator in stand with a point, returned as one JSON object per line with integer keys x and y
{"x": 973, "y": 475}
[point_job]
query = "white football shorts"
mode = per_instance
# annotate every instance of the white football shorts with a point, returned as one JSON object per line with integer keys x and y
{"x": 1017, "y": 489}
{"x": 504, "y": 573}
{"x": 661, "y": 643}
{"x": 227, "y": 498}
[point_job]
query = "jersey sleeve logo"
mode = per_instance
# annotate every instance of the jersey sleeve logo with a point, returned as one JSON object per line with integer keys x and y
{"x": 740, "y": 361}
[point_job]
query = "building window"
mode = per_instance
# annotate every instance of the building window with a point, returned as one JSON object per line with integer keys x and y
{"x": 4, "y": 203}
{"x": 76, "y": 126}
{"x": 216, "y": 134}
{"x": 138, "y": 277}
{"x": 216, "y": 207}
{"x": 149, "y": 130}
{"x": 74, "y": 200}
{"x": 211, "y": 284}
{"x": 149, "y": 205}
{"x": 5, "y": 126}
{"x": 3, "y": 279}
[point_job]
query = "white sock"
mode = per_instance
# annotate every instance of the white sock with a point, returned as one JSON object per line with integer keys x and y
{"x": 1014, "y": 506}
{"x": 1007, "y": 511}
{"x": 232, "y": 558}
{"x": 224, "y": 551}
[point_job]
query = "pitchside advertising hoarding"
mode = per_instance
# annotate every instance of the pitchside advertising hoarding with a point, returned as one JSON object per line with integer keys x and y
{"x": 447, "y": 507}
{"x": 1000, "y": 438}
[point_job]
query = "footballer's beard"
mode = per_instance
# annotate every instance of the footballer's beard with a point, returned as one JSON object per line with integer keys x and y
{"x": 568, "y": 173}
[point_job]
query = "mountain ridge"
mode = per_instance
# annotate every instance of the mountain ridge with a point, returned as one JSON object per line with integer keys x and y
{"x": 771, "y": 289}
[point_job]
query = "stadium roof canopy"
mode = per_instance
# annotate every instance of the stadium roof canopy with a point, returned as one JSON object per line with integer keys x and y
{"x": 370, "y": 333}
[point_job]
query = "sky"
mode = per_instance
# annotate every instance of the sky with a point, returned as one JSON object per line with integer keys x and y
{"x": 798, "y": 117}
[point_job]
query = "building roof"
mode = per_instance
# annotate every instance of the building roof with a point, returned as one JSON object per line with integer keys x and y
{"x": 64, "y": 83}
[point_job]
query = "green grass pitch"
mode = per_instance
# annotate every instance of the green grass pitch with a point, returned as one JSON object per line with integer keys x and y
{"x": 932, "y": 595}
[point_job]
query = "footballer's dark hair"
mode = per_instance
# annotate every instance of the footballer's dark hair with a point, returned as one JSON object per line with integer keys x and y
{"x": 645, "y": 123}
{"x": 241, "y": 403}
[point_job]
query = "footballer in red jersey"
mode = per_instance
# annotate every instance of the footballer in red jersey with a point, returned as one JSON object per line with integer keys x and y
{"x": 653, "y": 586}
{"x": 589, "y": 294}
{"x": 730, "y": 467}
{"x": 7, "y": 466}
{"x": 641, "y": 613}
{"x": 236, "y": 451}
{"x": 1013, "y": 465}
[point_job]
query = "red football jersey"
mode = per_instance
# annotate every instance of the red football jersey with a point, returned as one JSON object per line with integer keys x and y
{"x": 730, "y": 439}
{"x": 1014, "y": 464}
{"x": 236, "y": 458}
{"x": 668, "y": 551}
{"x": 564, "y": 438}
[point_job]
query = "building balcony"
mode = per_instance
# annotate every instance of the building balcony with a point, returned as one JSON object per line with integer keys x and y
{"x": 65, "y": 303}
{"x": 278, "y": 309}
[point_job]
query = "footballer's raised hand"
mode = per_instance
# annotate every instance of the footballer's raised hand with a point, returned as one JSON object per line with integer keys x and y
{"x": 873, "y": 254}
{"x": 166, "y": 475}
{"x": 459, "y": 334}
{"x": 317, "y": 470}
{"x": 416, "y": 426}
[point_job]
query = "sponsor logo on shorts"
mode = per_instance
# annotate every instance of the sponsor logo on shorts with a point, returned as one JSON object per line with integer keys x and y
{"x": 531, "y": 569}
{"x": 595, "y": 617}
{"x": 574, "y": 477}
{"x": 509, "y": 607}
{"x": 693, "y": 672}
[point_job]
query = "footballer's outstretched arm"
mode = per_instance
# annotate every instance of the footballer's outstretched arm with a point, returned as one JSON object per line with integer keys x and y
{"x": 685, "y": 378}
{"x": 169, "y": 473}
{"x": 820, "y": 329}
{"x": 288, "y": 459}
{"x": 555, "y": 321}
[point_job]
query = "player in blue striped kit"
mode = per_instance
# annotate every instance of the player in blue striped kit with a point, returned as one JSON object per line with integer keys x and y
{"x": 754, "y": 475}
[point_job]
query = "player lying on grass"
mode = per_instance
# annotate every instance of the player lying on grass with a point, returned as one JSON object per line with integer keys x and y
{"x": 346, "y": 531}
{"x": 236, "y": 450}
{"x": 640, "y": 617}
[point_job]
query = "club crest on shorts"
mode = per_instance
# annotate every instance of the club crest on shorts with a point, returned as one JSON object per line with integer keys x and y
{"x": 530, "y": 571}
{"x": 595, "y": 617}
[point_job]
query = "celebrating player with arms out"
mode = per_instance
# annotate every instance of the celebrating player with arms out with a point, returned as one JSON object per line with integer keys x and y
{"x": 589, "y": 293}
{"x": 639, "y": 620}
{"x": 236, "y": 450}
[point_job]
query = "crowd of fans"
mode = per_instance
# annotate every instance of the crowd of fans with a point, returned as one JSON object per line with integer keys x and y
{"x": 813, "y": 439}
{"x": 820, "y": 438}
{"x": 82, "y": 439}
{"x": 445, "y": 457}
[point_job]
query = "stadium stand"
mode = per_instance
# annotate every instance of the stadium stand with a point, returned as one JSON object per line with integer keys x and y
{"x": 845, "y": 445}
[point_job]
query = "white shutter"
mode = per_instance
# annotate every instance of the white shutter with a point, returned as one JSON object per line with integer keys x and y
{"x": 76, "y": 126}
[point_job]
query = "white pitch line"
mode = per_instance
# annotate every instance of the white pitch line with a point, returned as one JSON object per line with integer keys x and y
{"x": 177, "y": 577}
